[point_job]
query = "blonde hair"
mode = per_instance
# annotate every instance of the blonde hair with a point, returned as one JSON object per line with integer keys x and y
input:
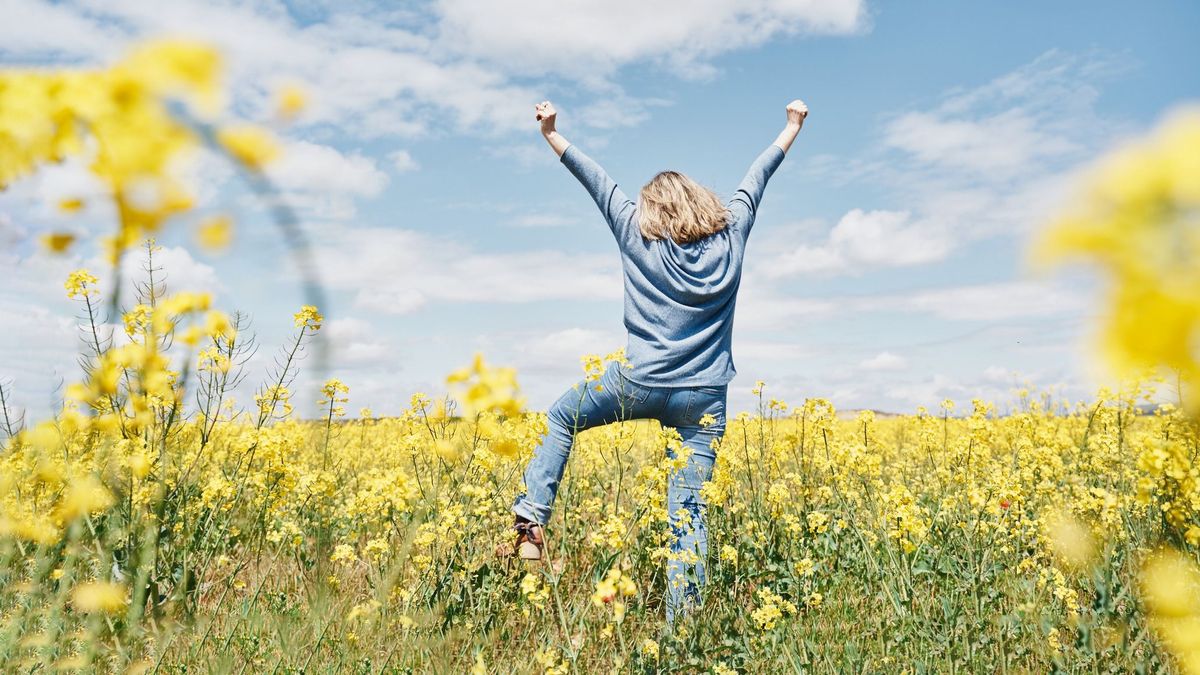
{"x": 673, "y": 206}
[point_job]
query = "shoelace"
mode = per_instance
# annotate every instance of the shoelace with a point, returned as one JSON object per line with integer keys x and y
{"x": 527, "y": 529}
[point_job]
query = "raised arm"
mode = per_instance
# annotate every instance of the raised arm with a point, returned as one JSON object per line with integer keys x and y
{"x": 745, "y": 201}
{"x": 797, "y": 111}
{"x": 547, "y": 115}
{"x": 616, "y": 207}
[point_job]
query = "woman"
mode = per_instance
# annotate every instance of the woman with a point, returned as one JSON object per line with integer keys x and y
{"x": 681, "y": 254}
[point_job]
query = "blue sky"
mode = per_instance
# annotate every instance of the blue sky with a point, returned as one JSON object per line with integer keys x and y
{"x": 885, "y": 269}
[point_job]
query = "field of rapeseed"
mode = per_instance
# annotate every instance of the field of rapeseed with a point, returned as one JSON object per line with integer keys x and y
{"x": 154, "y": 526}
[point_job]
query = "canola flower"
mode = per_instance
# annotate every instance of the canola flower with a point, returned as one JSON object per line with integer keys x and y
{"x": 57, "y": 242}
{"x": 51, "y": 115}
{"x": 332, "y": 397}
{"x": 102, "y": 597}
{"x": 215, "y": 232}
{"x": 771, "y": 608}
{"x": 1138, "y": 218}
{"x": 81, "y": 283}
{"x": 1171, "y": 583}
{"x": 291, "y": 100}
{"x": 486, "y": 389}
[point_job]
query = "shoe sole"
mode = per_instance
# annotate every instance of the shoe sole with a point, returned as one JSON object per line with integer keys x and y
{"x": 529, "y": 551}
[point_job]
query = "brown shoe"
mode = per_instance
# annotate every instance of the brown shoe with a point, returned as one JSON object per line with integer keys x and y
{"x": 530, "y": 540}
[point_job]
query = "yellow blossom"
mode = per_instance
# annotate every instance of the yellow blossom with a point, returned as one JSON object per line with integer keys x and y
{"x": 251, "y": 146}
{"x": 70, "y": 204}
{"x": 101, "y": 596}
{"x": 308, "y": 317}
{"x": 57, "y": 242}
{"x": 215, "y": 233}
{"x": 81, "y": 283}
{"x": 291, "y": 101}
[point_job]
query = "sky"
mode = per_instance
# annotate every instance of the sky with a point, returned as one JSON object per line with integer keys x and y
{"x": 887, "y": 268}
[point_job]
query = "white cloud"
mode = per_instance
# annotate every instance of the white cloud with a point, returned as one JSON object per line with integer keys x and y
{"x": 35, "y": 199}
{"x": 589, "y": 38}
{"x": 930, "y": 390}
{"x": 39, "y": 348}
{"x": 998, "y": 301}
{"x": 311, "y": 167}
{"x": 10, "y": 232}
{"x": 387, "y": 297}
{"x": 68, "y": 179}
{"x": 355, "y": 342}
{"x": 1042, "y": 111}
{"x": 41, "y": 29}
{"x": 398, "y": 271}
{"x": 402, "y": 161}
{"x": 992, "y": 385}
{"x": 992, "y": 160}
{"x": 176, "y": 271}
{"x": 864, "y": 240}
{"x": 761, "y": 308}
{"x": 1000, "y": 144}
{"x": 323, "y": 182}
{"x": 884, "y": 361}
{"x": 383, "y": 79}
{"x": 998, "y": 375}
{"x": 387, "y": 72}
{"x": 554, "y": 350}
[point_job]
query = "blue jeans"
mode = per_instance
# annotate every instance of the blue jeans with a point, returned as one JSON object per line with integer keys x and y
{"x": 583, "y": 407}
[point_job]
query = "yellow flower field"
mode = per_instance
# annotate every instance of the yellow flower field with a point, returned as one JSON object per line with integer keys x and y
{"x": 932, "y": 541}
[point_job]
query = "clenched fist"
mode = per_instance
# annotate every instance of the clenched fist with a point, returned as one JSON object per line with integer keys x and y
{"x": 796, "y": 112}
{"x": 546, "y": 115}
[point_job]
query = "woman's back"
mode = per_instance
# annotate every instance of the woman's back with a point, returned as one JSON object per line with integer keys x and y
{"x": 679, "y": 298}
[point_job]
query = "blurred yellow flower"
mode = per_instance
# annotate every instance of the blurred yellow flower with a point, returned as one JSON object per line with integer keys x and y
{"x": 291, "y": 100}
{"x": 447, "y": 450}
{"x": 483, "y": 388}
{"x": 215, "y": 233}
{"x": 613, "y": 586}
{"x": 83, "y": 495}
{"x": 70, "y": 205}
{"x": 1138, "y": 217}
{"x": 99, "y": 596}
{"x": 57, "y": 242}
{"x": 1070, "y": 540}
{"x": 250, "y": 145}
{"x": 1171, "y": 589}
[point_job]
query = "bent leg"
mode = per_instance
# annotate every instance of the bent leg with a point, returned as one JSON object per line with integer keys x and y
{"x": 586, "y": 405}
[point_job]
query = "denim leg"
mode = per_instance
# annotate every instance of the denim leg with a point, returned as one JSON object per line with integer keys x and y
{"x": 545, "y": 469}
{"x": 687, "y": 509}
{"x": 581, "y": 407}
